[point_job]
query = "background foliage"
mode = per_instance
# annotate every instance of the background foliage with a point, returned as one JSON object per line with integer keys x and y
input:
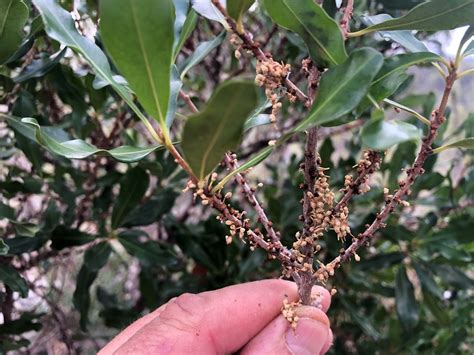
{"x": 89, "y": 245}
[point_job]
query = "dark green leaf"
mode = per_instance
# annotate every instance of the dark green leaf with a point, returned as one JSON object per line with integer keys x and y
{"x": 139, "y": 37}
{"x": 343, "y": 87}
{"x": 202, "y": 50}
{"x": 320, "y": 32}
{"x": 3, "y": 248}
{"x": 209, "y": 134}
{"x": 81, "y": 296}
{"x": 152, "y": 210}
{"x": 63, "y": 237}
{"x": 40, "y": 67}
{"x": 6, "y": 211}
{"x": 433, "y": 15}
{"x": 453, "y": 276}
{"x": 96, "y": 257}
{"x": 364, "y": 323}
{"x": 132, "y": 189}
{"x": 11, "y": 278}
{"x": 76, "y": 148}
{"x": 175, "y": 87}
{"x": 20, "y": 245}
{"x": 406, "y": 305}
{"x": 25, "y": 323}
{"x": 427, "y": 281}
{"x": 13, "y": 16}
{"x": 148, "y": 252}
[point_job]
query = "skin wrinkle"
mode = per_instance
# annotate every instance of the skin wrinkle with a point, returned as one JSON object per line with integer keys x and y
{"x": 202, "y": 323}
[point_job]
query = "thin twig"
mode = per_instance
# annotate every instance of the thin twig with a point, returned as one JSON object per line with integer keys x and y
{"x": 414, "y": 172}
{"x": 250, "y": 44}
{"x": 346, "y": 17}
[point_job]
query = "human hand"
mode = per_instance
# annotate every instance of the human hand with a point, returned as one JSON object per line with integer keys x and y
{"x": 245, "y": 317}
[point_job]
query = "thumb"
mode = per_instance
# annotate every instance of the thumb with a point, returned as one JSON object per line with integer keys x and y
{"x": 311, "y": 336}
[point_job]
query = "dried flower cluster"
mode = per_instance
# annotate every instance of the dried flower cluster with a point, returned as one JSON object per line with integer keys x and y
{"x": 288, "y": 311}
{"x": 271, "y": 75}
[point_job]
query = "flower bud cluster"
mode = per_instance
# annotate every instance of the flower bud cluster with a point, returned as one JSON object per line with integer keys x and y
{"x": 271, "y": 75}
{"x": 288, "y": 311}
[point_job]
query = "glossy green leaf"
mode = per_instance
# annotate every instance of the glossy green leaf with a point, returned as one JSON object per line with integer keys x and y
{"x": 379, "y": 134}
{"x": 76, "y": 148}
{"x": 202, "y": 50}
{"x": 406, "y": 305}
{"x": 342, "y": 88}
{"x": 320, "y": 32}
{"x": 132, "y": 189}
{"x": 236, "y": 10}
{"x": 40, "y": 67}
{"x": 405, "y": 38}
{"x": 218, "y": 128}
{"x": 60, "y": 26}
{"x": 13, "y": 17}
{"x": 467, "y": 143}
{"x": 10, "y": 277}
{"x": 139, "y": 37}
{"x": 433, "y": 15}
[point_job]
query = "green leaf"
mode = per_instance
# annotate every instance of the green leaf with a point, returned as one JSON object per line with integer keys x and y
{"x": 96, "y": 257}
{"x": 467, "y": 143}
{"x": 427, "y": 281}
{"x": 467, "y": 36}
{"x": 433, "y": 15}
{"x": 148, "y": 252}
{"x": 132, "y": 189}
{"x": 343, "y": 87}
{"x": 76, "y": 148}
{"x": 139, "y": 37}
{"x": 403, "y": 61}
{"x": 3, "y": 248}
{"x": 208, "y": 135}
{"x": 469, "y": 49}
{"x": 453, "y": 276}
{"x": 175, "y": 87}
{"x": 188, "y": 28}
{"x": 60, "y": 26}
{"x": 25, "y": 229}
{"x": 64, "y": 237}
{"x": 81, "y": 296}
{"x": 202, "y": 50}
{"x": 40, "y": 67}
{"x": 405, "y": 38}
{"x": 380, "y": 134}
{"x": 13, "y": 16}
{"x": 11, "y": 278}
{"x": 406, "y": 305}
{"x": 236, "y": 10}
{"x": 320, "y": 32}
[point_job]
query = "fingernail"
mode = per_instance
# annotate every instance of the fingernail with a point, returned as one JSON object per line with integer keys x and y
{"x": 308, "y": 338}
